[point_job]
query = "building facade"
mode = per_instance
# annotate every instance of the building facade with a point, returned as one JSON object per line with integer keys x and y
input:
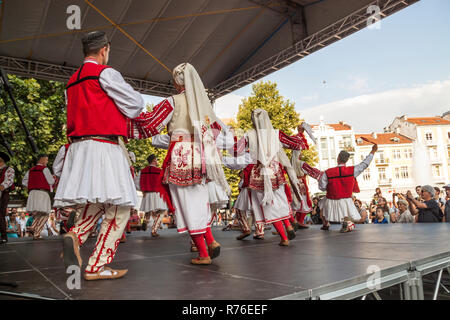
{"x": 392, "y": 167}
{"x": 432, "y": 136}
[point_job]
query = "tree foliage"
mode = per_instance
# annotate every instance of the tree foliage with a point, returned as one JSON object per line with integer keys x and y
{"x": 43, "y": 108}
{"x": 265, "y": 95}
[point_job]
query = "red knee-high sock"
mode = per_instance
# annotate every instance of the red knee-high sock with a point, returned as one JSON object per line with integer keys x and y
{"x": 199, "y": 241}
{"x": 286, "y": 222}
{"x": 301, "y": 217}
{"x": 291, "y": 219}
{"x": 208, "y": 236}
{"x": 279, "y": 227}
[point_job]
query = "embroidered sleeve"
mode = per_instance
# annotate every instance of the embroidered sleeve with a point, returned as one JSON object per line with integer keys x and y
{"x": 149, "y": 124}
{"x": 9, "y": 178}
{"x": 292, "y": 142}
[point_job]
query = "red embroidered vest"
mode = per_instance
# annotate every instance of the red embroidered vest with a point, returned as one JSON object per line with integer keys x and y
{"x": 150, "y": 180}
{"x": 341, "y": 182}
{"x": 36, "y": 179}
{"x": 90, "y": 111}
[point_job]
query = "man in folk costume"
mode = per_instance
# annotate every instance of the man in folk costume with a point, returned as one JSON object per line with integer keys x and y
{"x": 39, "y": 182}
{"x": 156, "y": 200}
{"x": 339, "y": 183}
{"x": 6, "y": 186}
{"x": 192, "y": 159}
{"x": 96, "y": 176}
{"x": 302, "y": 206}
{"x": 265, "y": 147}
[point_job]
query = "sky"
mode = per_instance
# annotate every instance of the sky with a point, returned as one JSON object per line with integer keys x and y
{"x": 369, "y": 78}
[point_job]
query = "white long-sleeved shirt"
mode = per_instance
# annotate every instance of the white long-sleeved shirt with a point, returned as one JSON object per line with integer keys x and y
{"x": 128, "y": 100}
{"x": 359, "y": 168}
{"x": 59, "y": 161}
{"x": 47, "y": 174}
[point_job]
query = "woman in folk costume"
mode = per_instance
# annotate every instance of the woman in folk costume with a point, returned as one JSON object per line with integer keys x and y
{"x": 265, "y": 147}
{"x": 302, "y": 204}
{"x": 192, "y": 159}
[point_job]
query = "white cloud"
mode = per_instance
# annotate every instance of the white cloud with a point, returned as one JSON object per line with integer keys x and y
{"x": 357, "y": 83}
{"x": 373, "y": 112}
{"x": 228, "y": 106}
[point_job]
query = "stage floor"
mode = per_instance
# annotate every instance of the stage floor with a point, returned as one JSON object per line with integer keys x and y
{"x": 251, "y": 269}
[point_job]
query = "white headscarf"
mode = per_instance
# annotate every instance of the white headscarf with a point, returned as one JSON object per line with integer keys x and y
{"x": 265, "y": 147}
{"x": 202, "y": 116}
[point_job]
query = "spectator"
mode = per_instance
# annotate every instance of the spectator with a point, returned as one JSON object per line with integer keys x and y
{"x": 13, "y": 228}
{"x": 404, "y": 215}
{"x": 419, "y": 193}
{"x": 51, "y": 225}
{"x": 362, "y": 212}
{"x": 447, "y": 203}
{"x": 440, "y": 201}
{"x": 380, "y": 216}
{"x": 23, "y": 225}
{"x": 378, "y": 193}
{"x": 428, "y": 210}
{"x": 383, "y": 204}
{"x": 315, "y": 213}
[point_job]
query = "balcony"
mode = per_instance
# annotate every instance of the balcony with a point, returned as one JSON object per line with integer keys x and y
{"x": 382, "y": 162}
{"x": 435, "y": 159}
{"x": 346, "y": 147}
{"x": 384, "y": 182}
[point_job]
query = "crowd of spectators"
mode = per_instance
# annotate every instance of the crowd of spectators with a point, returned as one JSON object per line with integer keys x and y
{"x": 429, "y": 204}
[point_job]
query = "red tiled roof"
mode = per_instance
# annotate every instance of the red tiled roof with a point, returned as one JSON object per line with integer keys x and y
{"x": 335, "y": 126}
{"x": 427, "y": 121}
{"x": 383, "y": 138}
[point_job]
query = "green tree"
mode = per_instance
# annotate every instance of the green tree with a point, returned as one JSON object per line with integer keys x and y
{"x": 43, "y": 108}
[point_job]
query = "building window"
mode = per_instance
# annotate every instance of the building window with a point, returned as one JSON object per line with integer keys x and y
{"x": 382, "y": 173}
{"x": 382, "y": 157}
{"x": 324, "y": 148}
{"x": 410, "y": 153}
{"x": 437, "y": 171}
{"x": 397, "y": 154}
{"x": 429, "y": 136}
{"x": 366, "y": 174}
{"x": 404, "y": 172}
{"x": 397, "y": 173}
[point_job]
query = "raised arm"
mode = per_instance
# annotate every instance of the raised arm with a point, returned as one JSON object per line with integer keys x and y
{"x": 149, "y": 124}
{"x": 292, "y": 142}
{"x": 359, "y": 168}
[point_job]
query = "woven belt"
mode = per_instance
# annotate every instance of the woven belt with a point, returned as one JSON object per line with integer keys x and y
{"x": 108, "y": 139}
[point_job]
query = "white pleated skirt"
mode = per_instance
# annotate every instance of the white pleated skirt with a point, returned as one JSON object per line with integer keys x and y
{"x": 39, "y": 200}
{"x": 337, "y": 210}
{"x": 276, "y": 211}
{"x": 302, "y": 206}
{"x": 243, "y": 201}
{"x": 217, "y": 196}
{"x": 152, "y": 201}
{"x": 192, "y": 211}
{"x": 95, "y": 172}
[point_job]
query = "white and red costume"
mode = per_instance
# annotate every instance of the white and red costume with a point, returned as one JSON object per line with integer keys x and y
{"x": 339, "y": 183}
{"x": 39, "y": 182}
{"x": 96, "y": 175}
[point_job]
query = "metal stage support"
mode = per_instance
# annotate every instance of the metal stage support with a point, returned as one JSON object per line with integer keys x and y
{"x": 301, "y": 48}
{"x": 408, "y": 276}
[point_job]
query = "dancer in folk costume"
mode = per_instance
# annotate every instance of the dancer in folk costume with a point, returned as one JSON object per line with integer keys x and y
{"x": 265, "y": 147}
{"x": 66, "y": 215}
{"x": 339, "y": 183}
{"x": 192, "y": 159}
{"x": 156, "y": 201}
{"x": 39, "y": 182}
{"x": 6, "y": 186}
{"x": 302, "y": 204}
{"x": 96, "y": 175}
